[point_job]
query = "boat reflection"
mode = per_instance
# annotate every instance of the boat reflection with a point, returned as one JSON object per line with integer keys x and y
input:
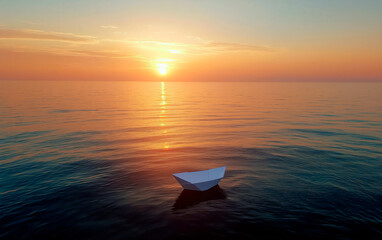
{"x": 190, "y": 198}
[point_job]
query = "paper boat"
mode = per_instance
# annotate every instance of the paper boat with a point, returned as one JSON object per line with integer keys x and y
{"x": 200, "y": 180}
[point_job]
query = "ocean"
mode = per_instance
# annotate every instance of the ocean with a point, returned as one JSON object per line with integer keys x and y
{"x": 94, "y": 160}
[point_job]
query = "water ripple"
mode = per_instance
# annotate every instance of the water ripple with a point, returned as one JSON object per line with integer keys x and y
{"x": 302, "y": 162}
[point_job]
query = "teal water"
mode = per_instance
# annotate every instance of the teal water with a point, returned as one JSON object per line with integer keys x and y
{"x": 93, "y": 160}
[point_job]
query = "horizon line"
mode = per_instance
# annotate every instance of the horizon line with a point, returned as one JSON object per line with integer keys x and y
{"x": 188, "y": 81}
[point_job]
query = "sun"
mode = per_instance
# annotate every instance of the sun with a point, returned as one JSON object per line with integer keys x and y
{"x": 162, "y": 70}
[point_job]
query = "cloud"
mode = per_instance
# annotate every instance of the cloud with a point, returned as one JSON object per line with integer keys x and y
{"x": 151, "y": 42}
{"x": 110, "y": 54}
{"x": 173, "y": 51}
{"x": 201, "y": 47}
{"x": 109, "y": 26}
{"x": 145, "y": 51}
{"x": 225, "y": 46}
{"x": 43, "y": 35}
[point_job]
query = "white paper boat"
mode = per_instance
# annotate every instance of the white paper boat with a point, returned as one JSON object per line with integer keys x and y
{"x": 200, "y": 180}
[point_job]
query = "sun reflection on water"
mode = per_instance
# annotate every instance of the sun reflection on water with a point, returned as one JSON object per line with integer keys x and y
{"x": 163, "y": 113}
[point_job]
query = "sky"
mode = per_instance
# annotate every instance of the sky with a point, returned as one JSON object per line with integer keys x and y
{"x": 211, "y": 40}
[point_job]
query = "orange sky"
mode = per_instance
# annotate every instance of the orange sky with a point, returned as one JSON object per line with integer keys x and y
{"x": 211, "y": 41}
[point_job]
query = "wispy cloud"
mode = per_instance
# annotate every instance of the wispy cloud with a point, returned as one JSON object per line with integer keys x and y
{"x": 227, "y": 46}
{"x": 146, "y": 51}
{"x": 202, "y": 47}
{"x": 174, "y": 51}
{"x": 151, "y": 42}
{"x": 109, "y": 26}
{"x": 109, "y": 54}
{"x": 43, "y": 35}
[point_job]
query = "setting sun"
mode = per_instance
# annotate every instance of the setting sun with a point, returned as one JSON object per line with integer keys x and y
{"x": 162, "y": 70}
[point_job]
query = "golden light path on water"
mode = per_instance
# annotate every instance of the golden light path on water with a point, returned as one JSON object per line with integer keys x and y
{"x": 117, "y": 144}
{"x": 163, "y": 113}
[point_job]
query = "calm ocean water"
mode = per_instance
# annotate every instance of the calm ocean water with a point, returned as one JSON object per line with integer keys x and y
{"x": 93, "y": 160}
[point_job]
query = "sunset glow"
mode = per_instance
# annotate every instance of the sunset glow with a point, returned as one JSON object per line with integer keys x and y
{"x": 234, "y": 41}
{"x": 168, "y": 119}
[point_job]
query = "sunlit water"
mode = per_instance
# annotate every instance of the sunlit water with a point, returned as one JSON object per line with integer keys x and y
{"x": 93, "y": 160}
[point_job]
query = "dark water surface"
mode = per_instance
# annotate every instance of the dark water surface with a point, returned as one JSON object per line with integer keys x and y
{"x": 93, "y": 160}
